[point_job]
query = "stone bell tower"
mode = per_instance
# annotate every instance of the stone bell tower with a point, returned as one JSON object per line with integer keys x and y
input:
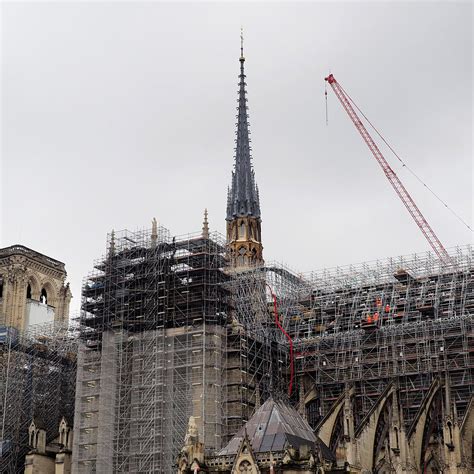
{"x": 244, "y": 234}
{"x": 32, "y": 288}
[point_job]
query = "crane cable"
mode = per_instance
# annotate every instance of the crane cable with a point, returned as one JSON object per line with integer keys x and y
{"x": 326, "y": 97}
{"x": 404, "y": 164}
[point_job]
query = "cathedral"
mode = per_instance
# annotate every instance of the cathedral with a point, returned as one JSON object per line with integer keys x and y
{"x": 384, "y": 358}
{"x": 194, "y": 355}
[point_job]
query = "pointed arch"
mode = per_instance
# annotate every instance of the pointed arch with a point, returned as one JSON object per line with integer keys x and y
{"x": 245, "y": 461}
{"x": 312, "y": 404}
{"x": 242, "y": 256}
{"x": 35, "y": 288}
{"x": 51, "y": 293}
{"x": 313, "y": 411}
{"x": 242, "y": 230}
{"x": 432, "y": 465}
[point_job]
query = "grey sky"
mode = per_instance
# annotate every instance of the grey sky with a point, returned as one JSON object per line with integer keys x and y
{"x": 113, "y": 113}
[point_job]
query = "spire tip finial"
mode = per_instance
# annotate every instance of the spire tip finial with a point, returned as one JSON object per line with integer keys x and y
{"x": 154, "y": 232}
{"x": 205, "y": 225}
{"x": 242, "y": 58}
{"x": 112, "y": 243}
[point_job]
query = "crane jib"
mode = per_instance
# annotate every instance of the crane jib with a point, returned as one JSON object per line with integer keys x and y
{"x": 397, "y": 185}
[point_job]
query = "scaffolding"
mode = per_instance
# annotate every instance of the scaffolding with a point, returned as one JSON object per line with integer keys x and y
{"x": 405, "y": 321}
{"x": 257, "y": 350}
{"x": 402, "y": 321}
{"x": 153, "y": 330}
{"x": 168, "y": 330}
{"x": 37, "y": 381}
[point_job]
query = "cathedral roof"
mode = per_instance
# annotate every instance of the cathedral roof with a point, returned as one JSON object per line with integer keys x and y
{"x": 274, "y": 427}
{"x": 243, "y": 198}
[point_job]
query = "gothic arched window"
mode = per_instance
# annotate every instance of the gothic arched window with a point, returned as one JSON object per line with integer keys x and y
{"x": 313, "y": 412}
{"x": 241, "y": 258}
{"x": 44, "y": 297}
{"x": 242, "y": 230}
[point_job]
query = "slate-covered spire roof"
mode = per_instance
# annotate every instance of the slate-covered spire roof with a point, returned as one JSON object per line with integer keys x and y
{"x": 243, "y": 198}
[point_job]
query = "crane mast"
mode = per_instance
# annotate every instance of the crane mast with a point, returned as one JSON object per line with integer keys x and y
{"x": 397, "y": 185}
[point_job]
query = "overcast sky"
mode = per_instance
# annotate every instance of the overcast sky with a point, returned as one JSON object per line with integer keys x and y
{"x": 114, "y": 113}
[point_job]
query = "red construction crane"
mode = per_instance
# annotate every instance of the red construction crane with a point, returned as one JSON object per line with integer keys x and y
{"x": 421, "y": 222}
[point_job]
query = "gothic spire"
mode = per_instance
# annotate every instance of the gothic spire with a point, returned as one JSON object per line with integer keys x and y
{"x": 243, "y": 199}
